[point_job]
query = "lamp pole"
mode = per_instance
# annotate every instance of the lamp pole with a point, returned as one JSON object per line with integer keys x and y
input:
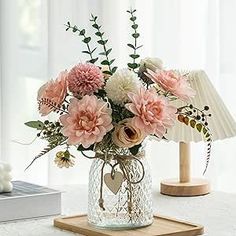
{"x": 184, "y": 162}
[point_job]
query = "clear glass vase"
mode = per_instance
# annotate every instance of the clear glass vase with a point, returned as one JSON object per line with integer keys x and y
{"x": 125, "y": 204}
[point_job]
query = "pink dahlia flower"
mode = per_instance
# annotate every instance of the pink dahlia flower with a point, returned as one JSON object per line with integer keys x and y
{"x": 153, "y": 113}
{"x": 89, "y": 119}
{"x": 85, "y": 79}
{"x": 173, "y": 83}
{"x": 53, "y": 92}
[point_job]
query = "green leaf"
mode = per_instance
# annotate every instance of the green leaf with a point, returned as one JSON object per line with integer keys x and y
{"x": 102, "y": 42}
{"x": 99, "y": 34}
{"x": 105, "y": 62}
{"x": 82, "y": 32}
{"x": 87, "y": 52}
{"x": 102, "y": 53}
{"x": 130, "y": 45}
{"x": 87, "y": 40}
{"x": 108, "y": 51}
{"x": 139, "y": 46}
{"x": 134, "y": 56}
{"x": 39, "y": 125}
{"x": 107, "y": 72}
{"x": 135, "y": 26}
{"x": 111, "y": 61}
{"x": 136, "y": 35}
{"x": 133, "y": 65}
{"x": 133, "y": 18}
{"x": 74, "y": 29}
{"x": 134, "y": 150}
{"x": 96, "y": 26}
{"x": 93, "y": 50}
{"x": 93, "y": 60}
{"x": 114, "y": 69}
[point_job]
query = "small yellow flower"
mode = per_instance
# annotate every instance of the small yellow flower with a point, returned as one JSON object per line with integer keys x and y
{"x": 64, "y": 159}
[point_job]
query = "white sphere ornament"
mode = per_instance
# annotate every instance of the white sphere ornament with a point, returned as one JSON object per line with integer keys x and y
{"x": 5, "y": 178}
{"x": 7, "y": 186}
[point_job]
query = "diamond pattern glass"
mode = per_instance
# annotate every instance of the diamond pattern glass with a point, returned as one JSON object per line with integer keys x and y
{"x": 131, "y": 207}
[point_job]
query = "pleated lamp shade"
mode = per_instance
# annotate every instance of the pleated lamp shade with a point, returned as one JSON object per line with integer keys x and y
{"x": 221, "y": 123}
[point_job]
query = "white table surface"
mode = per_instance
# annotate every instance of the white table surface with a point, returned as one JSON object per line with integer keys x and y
{"x": 216, "y": 211}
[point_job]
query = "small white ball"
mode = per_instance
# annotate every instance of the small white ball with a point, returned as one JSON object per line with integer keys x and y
{"x": 7, "y": 186}
{"x": 7, "y": 177}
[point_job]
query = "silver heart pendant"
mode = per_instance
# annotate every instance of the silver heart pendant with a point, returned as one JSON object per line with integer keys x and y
{"x": 114, "y": 183}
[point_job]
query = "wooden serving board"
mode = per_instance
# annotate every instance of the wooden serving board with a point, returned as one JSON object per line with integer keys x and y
{"x": 161, "y": 226}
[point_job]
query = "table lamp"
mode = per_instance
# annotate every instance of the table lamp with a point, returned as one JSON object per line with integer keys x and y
{"x": 221, "y": 125}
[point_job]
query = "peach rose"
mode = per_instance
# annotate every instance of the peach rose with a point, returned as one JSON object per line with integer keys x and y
{"x": 54, "y": 92}
{"x": 126, "y": 135}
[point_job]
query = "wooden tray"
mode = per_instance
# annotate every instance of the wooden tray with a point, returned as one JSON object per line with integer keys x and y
{"x": 161, "y": 226}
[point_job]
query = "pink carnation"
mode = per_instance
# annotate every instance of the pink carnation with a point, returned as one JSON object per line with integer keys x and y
{"x": 53, "y": 92}
{"x": 89, "y": 119}
{"x": 173, "y": 83}
{"x": 153, "y": 114}
{"x": 85, "y": 79}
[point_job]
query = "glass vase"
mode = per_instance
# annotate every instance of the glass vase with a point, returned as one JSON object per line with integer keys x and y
{"x": 120, "y": 191}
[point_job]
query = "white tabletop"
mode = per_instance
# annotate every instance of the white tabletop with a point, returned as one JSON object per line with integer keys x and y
{"x": 216, "y": 211}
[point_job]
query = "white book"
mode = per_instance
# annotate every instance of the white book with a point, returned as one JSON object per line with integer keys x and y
{"x": 29, "y": 201}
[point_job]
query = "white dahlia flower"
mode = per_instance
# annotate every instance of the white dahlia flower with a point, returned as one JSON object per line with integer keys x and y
{"x": 120, "y": 84}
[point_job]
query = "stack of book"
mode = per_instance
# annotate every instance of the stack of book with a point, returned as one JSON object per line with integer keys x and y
{"x": 29, "y": 201}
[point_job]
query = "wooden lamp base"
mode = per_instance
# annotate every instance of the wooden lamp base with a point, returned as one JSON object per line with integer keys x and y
{"x": 196, "y": 187}
{"x": 185, "y": 185}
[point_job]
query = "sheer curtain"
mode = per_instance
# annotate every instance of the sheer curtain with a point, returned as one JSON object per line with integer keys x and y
{"x": 186, "y": 34}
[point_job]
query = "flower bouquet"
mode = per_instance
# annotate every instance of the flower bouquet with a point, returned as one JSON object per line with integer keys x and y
{"x": 111, "y": 112}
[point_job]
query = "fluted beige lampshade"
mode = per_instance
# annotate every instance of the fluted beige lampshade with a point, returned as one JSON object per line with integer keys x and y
{"x": 221, "y": 123}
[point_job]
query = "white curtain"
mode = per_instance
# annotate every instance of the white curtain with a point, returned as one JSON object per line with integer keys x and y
{"x": 185, "y": 34}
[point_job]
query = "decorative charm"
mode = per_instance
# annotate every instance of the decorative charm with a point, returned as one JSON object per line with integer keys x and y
{"x": 5, "y": 178}
{"x": 114, "y": 181}
{"x": 111, "y": 112}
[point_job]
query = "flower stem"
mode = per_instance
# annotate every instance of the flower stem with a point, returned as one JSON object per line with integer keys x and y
{"x": 86, "y": 40}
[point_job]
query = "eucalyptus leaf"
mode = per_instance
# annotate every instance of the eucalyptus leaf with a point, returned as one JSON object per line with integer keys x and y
{"x": 96, "y": 26}
{"x": 136, "y": 35}
{"x": 114, "y": 69}
{"x": 133, "y": 65}
{"x": 93, "y": 60}
{"x": 87, "y": 52}
{"x": 130, "y": 45}
{"x": 39, "y": 125}
{"x": 111, "y": 61}
{"x": 105, "y": 62}
{"x": 87, "y": 40}
{"x": 133, "y": 18}
{"x": 107, "y": 72}
{"x": 135, "y": 26}
{"x": 134, "y": 56}
{"x": 108, "y": 51}
{"x": 82, "y": 32}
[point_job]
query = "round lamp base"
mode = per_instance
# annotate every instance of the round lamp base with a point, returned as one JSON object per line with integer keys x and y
{"x": 196, "y": 187}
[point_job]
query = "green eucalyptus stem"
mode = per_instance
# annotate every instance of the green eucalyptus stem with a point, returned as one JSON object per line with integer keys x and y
{"x": 103, "y": 42}
{"x": 133, "y": 65}
{"x": 86, "y": 40}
